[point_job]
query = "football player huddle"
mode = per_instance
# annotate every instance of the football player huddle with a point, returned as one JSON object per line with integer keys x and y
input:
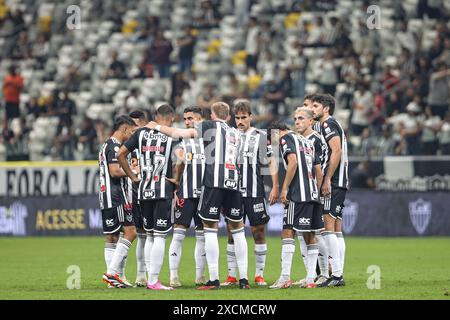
{"x": 156, "y": 179}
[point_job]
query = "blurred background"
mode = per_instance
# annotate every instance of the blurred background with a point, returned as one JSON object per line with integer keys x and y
{"x": 65, "y": 74}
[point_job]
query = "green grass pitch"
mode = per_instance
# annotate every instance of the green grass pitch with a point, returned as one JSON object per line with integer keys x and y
{"x": 411, "y": 268}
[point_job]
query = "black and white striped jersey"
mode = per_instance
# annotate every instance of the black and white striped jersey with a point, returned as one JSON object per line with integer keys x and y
{"x": 303, "y": 187}
{"x": 194, "y": 168}
{"x": 155, "y": 161}
{"x": 320, "y": 147}
{"x": 330, "y": 129}
{"x": 255, "y": 153}
{"x": 222, "y": 146}
{"x": 317, "y": 128}
{"x": 132, "y": 188}
{"x": 112, "y": 190}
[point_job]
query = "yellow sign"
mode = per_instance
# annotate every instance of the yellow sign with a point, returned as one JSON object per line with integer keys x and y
{"x": 56, "y": 219}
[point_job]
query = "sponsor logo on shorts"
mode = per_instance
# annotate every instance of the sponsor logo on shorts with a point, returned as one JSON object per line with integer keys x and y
{"x": 213, "y": 210}
{"x": 235, "y": 212}
{"x": 149, "y": 194}
{"x": 178, "y": 214}
{"x": 109, "y": 222}
{"x": 230, "y": 183}
{"x": 145, "y": 221}
{"x": 161, "y": 223}
{"x": 304, "y": 221}
{"x": 258, "y": 207}
{"x": 338, "y": 209}
{"x": 420, "y": 213}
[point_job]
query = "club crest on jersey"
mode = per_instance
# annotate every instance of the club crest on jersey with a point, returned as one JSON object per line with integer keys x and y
{"x": 251, "y": 140}
{"x": 129, "y": 217}
{"x": 349, "y": 215}
{"x": 420, "y": 214}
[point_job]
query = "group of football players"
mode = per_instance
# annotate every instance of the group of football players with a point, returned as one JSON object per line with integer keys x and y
{"x": 155, "y": 178}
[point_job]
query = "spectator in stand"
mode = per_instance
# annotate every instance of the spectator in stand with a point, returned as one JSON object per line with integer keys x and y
{"x": 160, "y": 54}
{"x": 362, "y": 106}
{"x": 251, "y": 43}
{"x": 186, "y": 51}
{"x": 206, "y": 98}
{"x": 12, "y": 87}
{"x": 117, "y": 69}
{"x": 22, "y": 50}
{"x": 102, "y": 133}
{"x": 87, "y": 143}
{"x": 207, "y": 16}
{"x": 360, "y": 177}
{"x": 439, "y": 94}
{"x": 385, "y": 145}
{"x": 66, "y": 108}
{"x": 297, "y": 65}
{"x": 241, "y": 12}
{"x": 273, "y": 93}
{"x": 34, "y": 108}
{"x": 430, "y": 127}
{"x": 179, "y": 84}
{"x": 64, "y": 143}
{"x": 444, "y": 135}
{"x": 410, "y": 129}
{"x": 40, "y": 51}
{"x": 327, "y": 73}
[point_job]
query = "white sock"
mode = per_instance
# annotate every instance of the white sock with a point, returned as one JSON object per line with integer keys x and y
{"x": 123, "y": 264}
{"x": 109, "y": 252}
{"x": 287, "y": 253}
{"x": 148, "y": 251}
{"x": 341, "y": 241}
{"x": 241, "y": 250}
{"x": 303, "y": 249}
{"x": 231, "y": 260}
{"x": 212, "y": 253}
{"x": 260, "y": 257}
{"x": 175, "y": 251}
{"x": 157, "y": 257}
{"x": 121, "y": 252}
{"x": 323, "y": 255}
{"x": 333, "y": 252}
{"x": 140, "y": 256}
{"x": 313, "y": 252}
{"x": 199, "y": 254}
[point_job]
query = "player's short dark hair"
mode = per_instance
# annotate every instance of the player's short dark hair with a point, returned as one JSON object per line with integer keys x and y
{"x": 165, "y": 110}
{"x": 309, "y": 96}
{"x": 138, "y": 114}
{"x": 242, "y": 105}
{"x": 193, "y": 109}
{"x": 122, "y": 120}
{"x": 325, "y": 99}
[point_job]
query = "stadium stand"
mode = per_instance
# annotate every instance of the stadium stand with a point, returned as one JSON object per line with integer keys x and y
{"x": 391, "y": 83}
